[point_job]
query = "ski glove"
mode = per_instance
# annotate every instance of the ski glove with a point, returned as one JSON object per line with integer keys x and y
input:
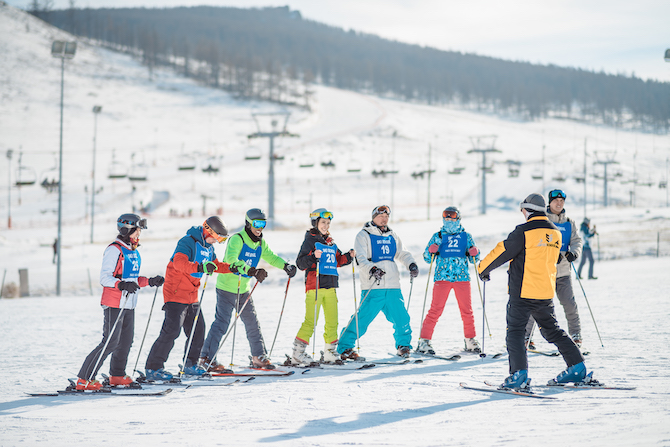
{"x": 207, "y": 267}
{"x": 413, "y": 270}
{"x": 473, "y": 251}
{"x": 433, "y": 249}
{"x": 156, "y": 281}
{"x": 128, "y": 286}
{"x": 259, "y": 274}
{"x": 570, "y": 256}
{"x": 290, "y": 270}
{"x": 485, "y": 277}
{"x": 377, "y": 273}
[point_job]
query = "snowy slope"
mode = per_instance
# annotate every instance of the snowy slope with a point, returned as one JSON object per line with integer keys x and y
{"x": 44, "y": 339}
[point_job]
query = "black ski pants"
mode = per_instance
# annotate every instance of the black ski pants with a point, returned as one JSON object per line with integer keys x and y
{"x": 119, "y": 344}
{"x": 177, "y": 316}
{"x": 518, "y": 312}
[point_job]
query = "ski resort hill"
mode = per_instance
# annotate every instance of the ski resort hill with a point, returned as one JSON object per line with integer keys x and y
{"x": 172, "y": 131}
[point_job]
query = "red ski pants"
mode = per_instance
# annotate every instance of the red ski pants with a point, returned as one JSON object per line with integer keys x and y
{"x": 441, "y": 291}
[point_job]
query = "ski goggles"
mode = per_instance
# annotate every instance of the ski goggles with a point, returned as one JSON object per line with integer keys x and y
{"x": 219, "y": 238}
{"x": 451, "y": 214}
{"x": 322, "y": 215}
{"x": 556, "y": 194}
{"x": 142, "y": 223}
{"x": 258, "y": 223}
{"x": 381, "y": 210}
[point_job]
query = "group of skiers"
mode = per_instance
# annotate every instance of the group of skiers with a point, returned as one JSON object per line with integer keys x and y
{"x": 377, "y": 251}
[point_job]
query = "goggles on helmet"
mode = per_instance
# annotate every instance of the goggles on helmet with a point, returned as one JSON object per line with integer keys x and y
{"x": 219, "y": 238}
{"x": 381, "y": 209}
{"x": 142, "y": 223}
{"x": 450, "y": 214}
{"x": 258, "y": 223}
{"x": 322, "y": 214}
{"x": 556, "y": 194}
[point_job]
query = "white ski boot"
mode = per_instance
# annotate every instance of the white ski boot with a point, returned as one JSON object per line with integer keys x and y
{"x": 425, "y": 347}
{"x": 472, "y": 345}
{"x": 300, "y": 357}
{"x": 330, "y": 354}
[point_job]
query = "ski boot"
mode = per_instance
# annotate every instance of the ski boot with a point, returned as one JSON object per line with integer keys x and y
{"x": 123, "y": 381}
{"x": 472, "y": 345}
{"x": 91, "y": 385}
{"x": 194, "y": 370}
{"x": 403, "y": 351}
{"x": 350, "y": 354}
{"x": 530, "y": 345}
{"x": 212, "y": 366}
{"x": 518, "y": 381}
{"x": 261, "y": 362}
{"x": 425, "y": 347}
{"x": 330, "y": 354}
{"x": 299, "y": 356}
{"x": 575, "y": 373}
{"x": 159, "y": 374}
{"x": 577, "y": 338}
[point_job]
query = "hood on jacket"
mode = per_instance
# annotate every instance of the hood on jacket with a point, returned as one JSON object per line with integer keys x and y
{"x": 196, "y": 233}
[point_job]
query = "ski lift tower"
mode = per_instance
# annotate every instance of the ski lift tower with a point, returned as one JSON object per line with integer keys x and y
{"x": 477, "y": 143}
{"x": 608, "y": 161}
{"x": 96, "y": 112}
{"x": 62, "y": 50}
{"x": 267, "y": 125}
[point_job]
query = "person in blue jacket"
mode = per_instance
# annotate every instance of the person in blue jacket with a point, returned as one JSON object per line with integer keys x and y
{"x": 450, "y": 248}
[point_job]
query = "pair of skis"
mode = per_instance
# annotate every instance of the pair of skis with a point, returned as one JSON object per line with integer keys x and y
{"x": 492, "y": 388}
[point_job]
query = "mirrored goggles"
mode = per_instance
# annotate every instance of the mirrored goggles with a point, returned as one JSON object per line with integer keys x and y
{"x": 381, "y": 209}
{"x": 322, "y": 214}
{"x": 556, "y": 194}
{"x": 450, "y": 214}
{"x": 219, "y": 238}
{"x": 258, "y": 223}
{"x": 142, "y": 223}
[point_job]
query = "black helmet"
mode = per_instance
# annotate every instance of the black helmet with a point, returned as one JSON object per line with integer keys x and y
{"x": 255, "y": 215}
{"x": 126, "y": 223}
{"x": 320, "y": 213}
{"x": 216, "y": 228}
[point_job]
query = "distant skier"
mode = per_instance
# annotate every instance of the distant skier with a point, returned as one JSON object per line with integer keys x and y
{"x": 119, "y": 277}
{"x": 55, "y": 248}
{"x": 193, "y": 257}
{"x": 378, "y": 248}
{"x": 451, "y": 248}
{"x": 571, "y": 249}
{"x": 318, "y": 251}
{"x": 243, "y": 253}
{"x": 587, "y": 233}
{"x": 533, "y": 249}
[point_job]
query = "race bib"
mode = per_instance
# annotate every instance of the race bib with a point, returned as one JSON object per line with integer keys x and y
{"x": 383, "y": 248}
{"x": 328, "y": 262}
{"x": 453, "y": 245}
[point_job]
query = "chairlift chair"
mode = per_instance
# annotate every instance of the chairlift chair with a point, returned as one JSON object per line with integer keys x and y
{"x": 252, "y": 153}
{"x": 328, "y": 164}
{"x": 117, "y": 170}
{"x": 186, "y": 163}
{"x": 211, "y": 166}
{"x": 354, "y": 166}
{"x": 663, "y": 184}
{"x": 138, "y": 173}
{"x": 306, "y": 161}
{"x": 25, "y": 176}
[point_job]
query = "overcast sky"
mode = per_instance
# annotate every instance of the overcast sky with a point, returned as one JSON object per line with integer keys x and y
{"x": 617, "y": 36}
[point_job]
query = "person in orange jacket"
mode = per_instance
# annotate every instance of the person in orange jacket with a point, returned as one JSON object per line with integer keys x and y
{"x": 193, "y": 257}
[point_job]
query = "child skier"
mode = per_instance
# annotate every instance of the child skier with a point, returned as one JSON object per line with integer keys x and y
{"x": 319, "y": 251}
{"x": 450, "y": 248}
{"x": 119, "y": 277}
{"x": 243, "y": 253}
{"x": 193, "y": 257}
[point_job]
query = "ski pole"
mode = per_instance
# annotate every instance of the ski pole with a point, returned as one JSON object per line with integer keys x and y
{"x": 483, "y": 354}
{"x": 195, "y": 321}
{"x": 355, "y": 315}
{"x": 482, "y": 300}
{"x": 425, "y": 295}
{"x": 237, "y": 306}
{"x": 532, "y": 329}
{"x": 280, "y": 315}
{"x": 145, "y": 330}
{"x": 411, "y": 285}
{"x": 587, "y": 303}
{"x": 109, "y": 337}
{"x": 316, "y": 307}
{"x": 229, "y": 331}
{"x": 353, "y": 275}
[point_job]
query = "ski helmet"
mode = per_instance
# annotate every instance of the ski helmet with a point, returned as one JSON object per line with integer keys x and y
{"x": 320, "y": 213}
{"x": 381, "y": 209}
{"x": 126, "y": 223}
{"x": 255, "y": 218}
{"x": 451, "y": 212}
{"x": 216, "y": 228}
